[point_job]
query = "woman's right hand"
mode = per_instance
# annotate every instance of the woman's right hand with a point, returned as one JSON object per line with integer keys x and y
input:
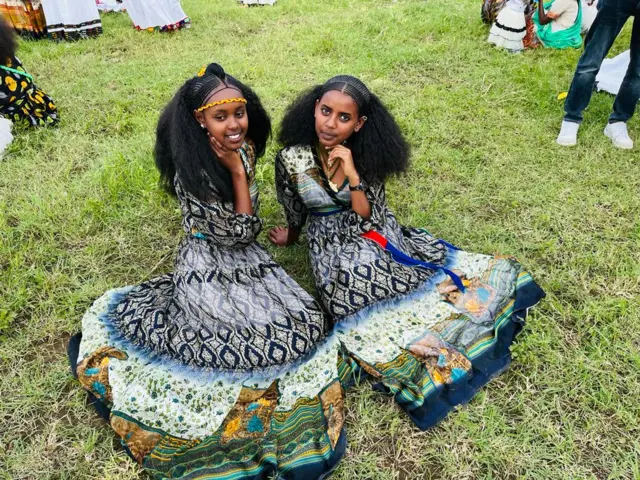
{"x": 230, "y": 159}
{"x": 279, "y": 236}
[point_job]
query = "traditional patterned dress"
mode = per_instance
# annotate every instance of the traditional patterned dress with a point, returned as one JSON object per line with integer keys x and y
{"x": 72, "y": 19}
{"x": 430, "y": 323}
{"x": 220, "y": 369}
{"x": 21, "y": 100}
{"x": 491, "y": 9}
{"x": 26, "y": 16}
{"x": 161, "y": 15}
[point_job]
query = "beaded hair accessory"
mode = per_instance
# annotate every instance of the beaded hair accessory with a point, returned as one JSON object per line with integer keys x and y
{"x": 221, "y": 102}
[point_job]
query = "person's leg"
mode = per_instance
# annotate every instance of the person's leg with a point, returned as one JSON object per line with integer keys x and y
{"x": 629, "y": 93}
{"x": 611, "y": 17}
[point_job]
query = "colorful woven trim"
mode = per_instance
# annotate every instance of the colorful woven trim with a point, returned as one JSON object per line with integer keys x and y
{"x": 221, "y": 102}
{"x": 185, "y": 23}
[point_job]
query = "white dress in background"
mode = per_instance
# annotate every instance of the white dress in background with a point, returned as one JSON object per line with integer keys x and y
{"x": 110, "y": 5}
{"x": 510, "y": 27}
{"x": 612, "y": 73}
{"x": 72, "y": 19}
{"x": 5, "y": 134}
{"x": 157, "y": 14}
{"x": 257, "y": 2}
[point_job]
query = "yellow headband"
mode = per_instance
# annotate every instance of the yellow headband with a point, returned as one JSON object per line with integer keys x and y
{"x": 221, "y": 102}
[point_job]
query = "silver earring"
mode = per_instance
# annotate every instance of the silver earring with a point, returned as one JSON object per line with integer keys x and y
{"x": 202, "y": 126}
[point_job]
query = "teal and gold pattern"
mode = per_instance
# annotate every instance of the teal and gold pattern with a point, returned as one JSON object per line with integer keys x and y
{"x": 431, "y": 351}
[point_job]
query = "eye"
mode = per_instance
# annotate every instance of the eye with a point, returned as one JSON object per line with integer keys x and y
{"x": 324, "y": 110}
{"x": 240, "y": 113}
{"x": 344, "y": 118}
{"x": 220, "y": 117}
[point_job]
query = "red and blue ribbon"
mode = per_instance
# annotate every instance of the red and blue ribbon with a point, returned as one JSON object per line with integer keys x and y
{"x": 405, "y": 259}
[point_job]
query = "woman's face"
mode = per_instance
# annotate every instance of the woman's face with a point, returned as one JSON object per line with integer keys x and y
{"x": 228, "y": 122}
{"x": 337, "y": 118}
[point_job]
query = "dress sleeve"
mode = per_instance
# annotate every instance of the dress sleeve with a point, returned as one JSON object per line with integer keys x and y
{"x": 217, "y": 221}
{"x": 288, "y": 196}
{"x": 376, "y": 195}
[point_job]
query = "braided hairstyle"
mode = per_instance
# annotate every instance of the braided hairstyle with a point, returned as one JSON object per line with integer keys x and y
{"x": 182, "y": 146}
{"x": 379, "y": 148}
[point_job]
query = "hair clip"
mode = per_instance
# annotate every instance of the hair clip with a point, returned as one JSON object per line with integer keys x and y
{"x": 202, "y": 71}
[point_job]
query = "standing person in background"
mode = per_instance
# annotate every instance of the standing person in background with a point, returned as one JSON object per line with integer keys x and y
{"x": 72, "y": 19}
{"x": 161, "y": 15}
{"x": 26, "y": 16}
{"x": 612, "y": 16}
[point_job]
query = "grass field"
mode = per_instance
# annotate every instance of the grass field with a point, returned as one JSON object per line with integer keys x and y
{"x": 81, "y": 212}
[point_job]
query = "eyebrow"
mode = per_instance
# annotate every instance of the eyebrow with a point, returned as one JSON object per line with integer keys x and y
{"x": 222, "y": 109}
{"x": 324, "y": 105}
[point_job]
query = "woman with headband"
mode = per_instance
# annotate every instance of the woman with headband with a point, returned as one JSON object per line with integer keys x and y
{"x": 429, "y": 322}
{"x": 220, "y": 369}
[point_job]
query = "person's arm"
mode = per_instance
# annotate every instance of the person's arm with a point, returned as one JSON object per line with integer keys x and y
{"x": 241, "y": 195}
{"x": 232, "y": 162}
{"x": 294, "y": 208}
{"x": 359, "y": 201}
{"x": 227, "y": 224}
{"x": 558, "y": 7}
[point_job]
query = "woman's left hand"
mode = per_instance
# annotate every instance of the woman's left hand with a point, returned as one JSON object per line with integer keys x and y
{"x": 343, "y": 154}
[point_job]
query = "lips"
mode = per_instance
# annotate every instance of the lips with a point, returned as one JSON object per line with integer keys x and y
{"x": 236, "y": 137}
{"x": 327, "y": 136}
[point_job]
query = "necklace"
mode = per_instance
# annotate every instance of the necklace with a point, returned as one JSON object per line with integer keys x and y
{"x": 327, "y": 166}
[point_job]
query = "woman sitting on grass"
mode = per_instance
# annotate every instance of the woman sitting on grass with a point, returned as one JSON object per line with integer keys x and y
{"x": 559, "y": 23}
{"x": 429, "y": 322}
{"x": 20, "y": 99}
{"x": 216, "y": 370}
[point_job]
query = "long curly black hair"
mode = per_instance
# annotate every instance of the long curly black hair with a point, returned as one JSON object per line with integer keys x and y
{"x": 379, "y": 149}
{"x": 8, "y": 43}
{"x": 182, "y": 146}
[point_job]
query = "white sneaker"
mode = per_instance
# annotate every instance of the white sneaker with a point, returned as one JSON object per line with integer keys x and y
{"x": 568, "y": 136}
{"x": 618, "y": 134}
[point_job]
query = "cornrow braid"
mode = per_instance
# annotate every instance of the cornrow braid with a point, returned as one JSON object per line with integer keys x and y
{"x": 352, "y": 87}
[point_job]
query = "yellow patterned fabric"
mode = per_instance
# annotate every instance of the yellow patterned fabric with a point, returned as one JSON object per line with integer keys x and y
{"x": 21, "y": 100}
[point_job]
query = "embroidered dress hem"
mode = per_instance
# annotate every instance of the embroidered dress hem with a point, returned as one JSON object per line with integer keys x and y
{"x": 72, "y": 19}
{"x": 185, "y": 23}
{"x": 445, "y": 359}
{"x": 182, "y": 422}
{"x": 75, "y": 32}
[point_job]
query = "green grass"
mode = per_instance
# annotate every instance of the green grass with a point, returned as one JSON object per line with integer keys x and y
{"x": 80, "y": 212}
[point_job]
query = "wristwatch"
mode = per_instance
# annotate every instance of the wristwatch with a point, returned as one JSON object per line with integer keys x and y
{"x": 357, "y": 188}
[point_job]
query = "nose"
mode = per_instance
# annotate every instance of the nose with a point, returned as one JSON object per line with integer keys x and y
{"x": 331, "y": 121}
{"x": 233, "y": 123}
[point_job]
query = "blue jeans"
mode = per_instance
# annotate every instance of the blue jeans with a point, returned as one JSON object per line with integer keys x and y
{"x": 612, "y": 15}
